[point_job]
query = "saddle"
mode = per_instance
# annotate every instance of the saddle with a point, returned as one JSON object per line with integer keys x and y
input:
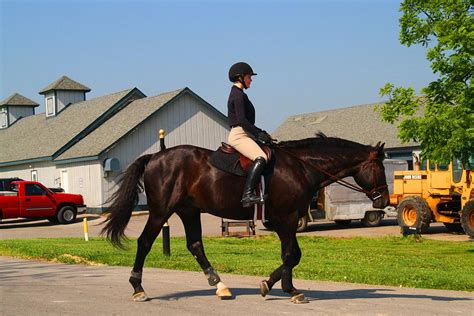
{"x": 227, "y": 159}
{"x": 244, "y": 161}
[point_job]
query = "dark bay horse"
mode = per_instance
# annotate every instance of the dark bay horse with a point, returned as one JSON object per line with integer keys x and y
{"x": 181, "y": 180}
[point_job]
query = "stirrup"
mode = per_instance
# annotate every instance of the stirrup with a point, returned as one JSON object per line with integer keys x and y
{"x": 248, "y": 201}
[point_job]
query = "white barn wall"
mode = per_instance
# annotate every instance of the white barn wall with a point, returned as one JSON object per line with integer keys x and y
{"x": 186, "y": 121}
{"x": 83, "y": 177}
{"x": 46, "y": 172}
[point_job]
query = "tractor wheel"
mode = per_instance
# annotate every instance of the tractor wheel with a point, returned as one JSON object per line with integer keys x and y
{"x": 413, "y": 211}
{"x": 372, "y": 219}
{"x": 467, "y": 218}
{"x": 454, "y": 227}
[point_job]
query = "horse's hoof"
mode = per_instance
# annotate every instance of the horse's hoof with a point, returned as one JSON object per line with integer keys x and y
{"x": 264, "y": 289}
{"x": 299, "y": 299}
{"x": 140, "y": 297}
{"x": 224, "y": 293}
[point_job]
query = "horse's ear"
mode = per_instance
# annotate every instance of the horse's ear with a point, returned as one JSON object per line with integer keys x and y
{"x": 380, "y": 150}
{"x": 377, "y": 145}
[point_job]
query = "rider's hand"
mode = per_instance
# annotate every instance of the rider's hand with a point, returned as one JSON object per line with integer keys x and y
{"x": 264, "y": 137}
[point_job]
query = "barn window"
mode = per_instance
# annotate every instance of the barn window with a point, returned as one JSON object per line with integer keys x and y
{"x": 49, "y": 106}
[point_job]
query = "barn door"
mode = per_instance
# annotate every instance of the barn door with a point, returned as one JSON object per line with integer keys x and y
{"x": 64, "y": 181}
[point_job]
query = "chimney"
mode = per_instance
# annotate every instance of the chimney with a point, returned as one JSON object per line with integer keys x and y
{"x": 14, "y": 108}
{"x": 61, "y": 93}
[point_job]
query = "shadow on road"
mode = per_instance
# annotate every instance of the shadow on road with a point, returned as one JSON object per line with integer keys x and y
{"x": 277, "y": 294}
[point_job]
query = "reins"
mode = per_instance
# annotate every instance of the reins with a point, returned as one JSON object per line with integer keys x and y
{"x": 374, "y": 194}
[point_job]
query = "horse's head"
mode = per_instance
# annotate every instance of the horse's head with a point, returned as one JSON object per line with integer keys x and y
{"x": 370, "y": 176}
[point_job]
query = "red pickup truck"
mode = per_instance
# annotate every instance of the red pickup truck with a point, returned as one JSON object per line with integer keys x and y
{"x": 30, "y": 199}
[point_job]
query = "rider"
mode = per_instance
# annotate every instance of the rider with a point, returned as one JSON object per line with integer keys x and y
{"x": 243, "y": 133}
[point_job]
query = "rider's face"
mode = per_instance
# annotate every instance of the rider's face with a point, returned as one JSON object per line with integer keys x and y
{"x": 247, "y": 80}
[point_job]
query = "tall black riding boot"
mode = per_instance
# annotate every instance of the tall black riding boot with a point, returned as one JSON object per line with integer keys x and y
{"x": 255, "y": 172}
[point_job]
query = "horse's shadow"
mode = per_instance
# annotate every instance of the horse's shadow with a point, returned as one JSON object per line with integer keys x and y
{"x": 278, "y": 294}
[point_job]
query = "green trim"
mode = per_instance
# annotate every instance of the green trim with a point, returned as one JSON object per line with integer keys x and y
{"x": 21, "y": 162}
{"x": 73, "y": 160}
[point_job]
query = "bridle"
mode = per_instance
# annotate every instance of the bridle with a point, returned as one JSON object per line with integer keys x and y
{"x": 373, "y": 194}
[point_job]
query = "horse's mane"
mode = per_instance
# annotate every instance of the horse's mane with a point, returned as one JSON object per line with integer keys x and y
{"x": 320, "y": 140}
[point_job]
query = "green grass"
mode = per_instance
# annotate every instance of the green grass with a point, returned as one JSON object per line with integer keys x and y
{"x": 385, "y": 261}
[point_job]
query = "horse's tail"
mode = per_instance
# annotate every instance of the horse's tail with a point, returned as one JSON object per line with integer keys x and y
{"x": 123, "y": 201}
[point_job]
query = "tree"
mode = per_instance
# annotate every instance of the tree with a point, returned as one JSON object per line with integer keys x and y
{"x": 441, "y": 118}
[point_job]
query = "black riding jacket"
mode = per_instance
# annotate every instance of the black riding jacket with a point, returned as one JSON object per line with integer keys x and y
{"x": 241, "y": 111}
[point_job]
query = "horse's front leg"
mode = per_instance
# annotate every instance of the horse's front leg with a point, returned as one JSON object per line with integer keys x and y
{"x": 192, "y": 226}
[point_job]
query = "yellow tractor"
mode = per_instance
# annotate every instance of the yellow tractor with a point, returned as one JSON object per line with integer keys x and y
{"x": 434, "y": 193}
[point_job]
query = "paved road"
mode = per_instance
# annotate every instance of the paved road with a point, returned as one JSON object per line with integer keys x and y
{"x": 21, "y": 228}
{"x": 38, "y": 288}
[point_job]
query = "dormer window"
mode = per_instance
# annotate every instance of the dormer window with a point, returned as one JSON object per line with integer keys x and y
{"x": 3, "y": 117}
{"x": 50, "y": 108}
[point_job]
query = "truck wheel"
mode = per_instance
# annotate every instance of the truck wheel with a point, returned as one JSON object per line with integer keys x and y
{"x": 413, "y": 211}
{"x": 343, "y": 222}
{"x": 372, "y": 219}
{"x": 467, "y": 218}
{"x": 67, "y": 215}
{"x": 302, "y": 224}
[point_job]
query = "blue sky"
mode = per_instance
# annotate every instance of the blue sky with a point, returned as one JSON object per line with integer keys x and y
{"x": 309, "y": 55}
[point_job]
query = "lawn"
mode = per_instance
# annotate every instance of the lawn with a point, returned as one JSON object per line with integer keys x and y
{"x": 393, "y": 261}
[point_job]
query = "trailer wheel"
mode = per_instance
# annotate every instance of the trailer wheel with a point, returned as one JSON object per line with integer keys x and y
{"x": 467, "y": 218}
{"x": 302, "y": 224}
{"x": 413, "y": 211}
{"x": 268, "y": 225}
{"x": 372, "y": 219}
{"x": 67, "y": 215}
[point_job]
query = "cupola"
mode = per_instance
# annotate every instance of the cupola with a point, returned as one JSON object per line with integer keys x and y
{"x": 61, "y": 93}
{"x": 14, "y": 108}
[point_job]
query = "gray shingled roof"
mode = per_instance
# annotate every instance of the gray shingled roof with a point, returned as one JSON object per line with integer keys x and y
{"x": 358, "y": 123}
{"x": 37, "y": 136}
{"x": 18, "y": 100}
{"x": 65, "y": 83}
{"x": 118, "y": 126}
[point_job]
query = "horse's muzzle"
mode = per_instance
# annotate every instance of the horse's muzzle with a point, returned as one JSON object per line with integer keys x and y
{"x": 380, "y": 199}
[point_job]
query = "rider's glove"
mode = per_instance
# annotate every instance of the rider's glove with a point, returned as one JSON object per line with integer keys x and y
{"x": 264, "y": 137}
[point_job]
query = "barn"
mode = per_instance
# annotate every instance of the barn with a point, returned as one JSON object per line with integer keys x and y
{"x": 82, "y": 145}
{"x": 359, "y": 123}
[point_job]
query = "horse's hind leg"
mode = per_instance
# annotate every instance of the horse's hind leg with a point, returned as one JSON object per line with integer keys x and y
{"x": 192, "y": 224}
{"x": 144, "y": 243}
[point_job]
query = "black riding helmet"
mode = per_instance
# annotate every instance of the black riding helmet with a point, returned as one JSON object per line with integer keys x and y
{"x": 239, "y": 70}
